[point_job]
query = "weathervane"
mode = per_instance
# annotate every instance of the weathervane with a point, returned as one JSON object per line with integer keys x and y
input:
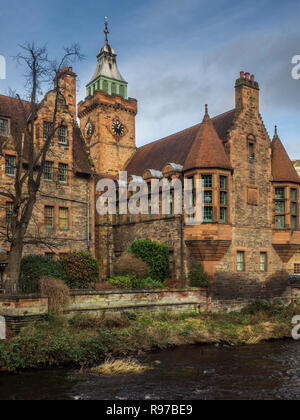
{"x": 106, "y": 31}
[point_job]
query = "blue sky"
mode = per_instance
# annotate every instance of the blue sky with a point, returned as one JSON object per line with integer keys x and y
{"x": 176, "y": 55}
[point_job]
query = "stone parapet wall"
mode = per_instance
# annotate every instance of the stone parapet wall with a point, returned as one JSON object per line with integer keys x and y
{"x": 158, "y": 300}
{"x": 21, "y": 310}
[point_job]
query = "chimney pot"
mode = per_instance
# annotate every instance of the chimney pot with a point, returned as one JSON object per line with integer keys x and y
{"x": 252, "y": 77}
{"x": 242, "y": 74}
{"x": 247, "y": 75}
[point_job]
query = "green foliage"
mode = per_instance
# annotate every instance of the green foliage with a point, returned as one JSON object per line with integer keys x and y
{"x": 147, "y": 283}
{"x": 34, "y": 267}
{"x": 155, "y": 255}
{"x": 268, "y": 308}
{"x": 121, "y": 282}
{"x": 130, "y": 282}
{"x": 198, "y": 277}
{"x": 81, "y": 270}
{"x": 85, "y": 342}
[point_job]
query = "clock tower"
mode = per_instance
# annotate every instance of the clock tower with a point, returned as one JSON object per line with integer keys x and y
{"x": 107, "y": 115}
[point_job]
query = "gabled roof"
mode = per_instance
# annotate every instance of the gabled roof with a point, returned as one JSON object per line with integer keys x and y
{"x": 80, "y": 154}
{"x": 283, "y": 169}
{"x": 207, "y": 150}
{"x": 174, "y": 148}
{"x": 11, "y": 108}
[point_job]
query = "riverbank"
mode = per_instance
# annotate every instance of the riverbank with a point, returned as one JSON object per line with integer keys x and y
{"x": 83, "y": 342}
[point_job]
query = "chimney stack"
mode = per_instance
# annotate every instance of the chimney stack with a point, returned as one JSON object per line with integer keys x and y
{"x": 67, "y": 83}
{"x": 246, "y": 92}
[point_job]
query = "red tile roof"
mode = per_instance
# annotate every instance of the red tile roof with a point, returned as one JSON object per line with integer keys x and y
{"x": 207, "y": 150}
{"x": 174, "y": 148}
{"x": 283, "y": 169}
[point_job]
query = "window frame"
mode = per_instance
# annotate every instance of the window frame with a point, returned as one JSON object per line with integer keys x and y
{"x": 65, "y": 141}
{"x": 9, "y": 165}
{"x": 280, "y": 198}
{"x": 7, "y": 132}
{"x": 47, "y": 127}
{"x": 243, "y": 261}
{"x": 49, "y": 226}
{"x": 49, "y": 172}
{"x": 9, "y": 206}
{"x": 265, "y": 262}
{"x": 65, "y": 219}
{"x": 65, "y": 171}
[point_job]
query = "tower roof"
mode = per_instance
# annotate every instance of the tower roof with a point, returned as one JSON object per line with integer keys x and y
{"x": 207, "y": 150}
{"x": 283, "y": 169}
{"x": 107, "y": 63}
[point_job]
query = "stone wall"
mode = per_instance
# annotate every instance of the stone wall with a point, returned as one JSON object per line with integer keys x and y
{"x": 166, "y": 231}
{"x": 20, "y": 310}
{"x": 251, "y": 219}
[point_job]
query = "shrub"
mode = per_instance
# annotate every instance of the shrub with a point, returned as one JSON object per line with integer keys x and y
{"x": 147, "y": 283}
{"x": 198, "y": 277}
{"x": 104, "y": 285}
{"x": 269, "y": 308}
{"x": 82, "y": 270}
{"x": 34, "y": 267}
{"x": 128, "y": 264}
{"x": 173, "y": 283}
{"x": 121, "y": 282}
{"x": 57, "y": 292}
{"x": 154, "y": 254}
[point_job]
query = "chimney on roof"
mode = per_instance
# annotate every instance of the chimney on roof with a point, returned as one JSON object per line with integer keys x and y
{"x": 67, "y": 82}
{"x": 247, "y": 92}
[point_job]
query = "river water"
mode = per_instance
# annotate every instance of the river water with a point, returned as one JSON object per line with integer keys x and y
{"x": 263, "y": 371}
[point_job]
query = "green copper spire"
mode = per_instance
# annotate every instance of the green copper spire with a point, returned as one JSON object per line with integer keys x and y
{"x": 107, "y": 76}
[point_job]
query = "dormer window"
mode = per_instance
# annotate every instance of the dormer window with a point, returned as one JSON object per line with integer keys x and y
{"x": 3, "y": 127}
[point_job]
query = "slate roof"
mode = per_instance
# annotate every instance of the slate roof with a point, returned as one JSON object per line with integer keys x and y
{"x": 175, "y": 148}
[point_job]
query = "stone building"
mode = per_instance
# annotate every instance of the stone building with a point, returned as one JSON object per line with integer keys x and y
{"x": 250, "y": 235}
{"x": 63, "y": 217}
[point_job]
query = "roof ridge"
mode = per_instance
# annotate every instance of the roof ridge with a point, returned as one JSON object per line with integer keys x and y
{"x": 185, "y": 129}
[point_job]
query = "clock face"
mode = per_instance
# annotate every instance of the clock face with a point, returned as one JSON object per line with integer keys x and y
{"x": 117, "y": 128}
{"x": 89, "y": 129}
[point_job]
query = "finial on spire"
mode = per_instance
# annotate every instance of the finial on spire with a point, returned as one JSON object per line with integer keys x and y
{"x": 206, "y": 116}
{"x": 276, "y": 131}
{"x": 106, "y": 31}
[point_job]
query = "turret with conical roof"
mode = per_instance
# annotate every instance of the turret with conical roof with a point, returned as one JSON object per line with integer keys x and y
{"x": 207, "y": 150}
{"x": 107, "y": 76}
{"x": 283, "y": 169}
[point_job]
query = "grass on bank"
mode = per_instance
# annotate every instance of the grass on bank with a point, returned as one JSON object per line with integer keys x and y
{"x": 120, "y": 367}
{"x": 85, "y": 342}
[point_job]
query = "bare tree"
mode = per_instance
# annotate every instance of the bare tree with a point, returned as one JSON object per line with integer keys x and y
{"x": 30, "y": 160}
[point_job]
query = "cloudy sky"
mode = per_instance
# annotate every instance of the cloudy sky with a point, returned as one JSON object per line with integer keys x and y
{"x": 176, "y": 55}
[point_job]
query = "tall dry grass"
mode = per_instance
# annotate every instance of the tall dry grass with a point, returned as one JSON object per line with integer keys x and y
{"x": 120, "y": 367}
{"x": 57, "y": 292}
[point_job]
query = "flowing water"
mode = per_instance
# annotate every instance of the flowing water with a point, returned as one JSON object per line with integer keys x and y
{"x": 264, "y": 371}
